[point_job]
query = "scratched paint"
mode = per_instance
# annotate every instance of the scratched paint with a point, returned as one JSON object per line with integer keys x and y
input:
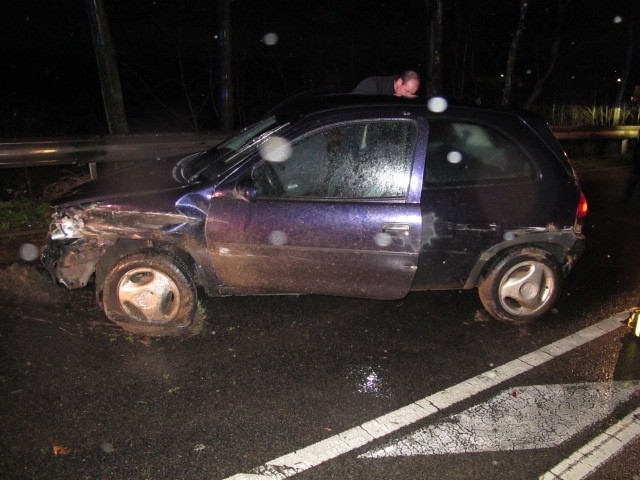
{"x": 520, "y": 418}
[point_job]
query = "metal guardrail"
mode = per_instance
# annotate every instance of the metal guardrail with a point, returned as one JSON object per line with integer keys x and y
{"x": 623, "y": 132}
{"x": 38, "y": 152}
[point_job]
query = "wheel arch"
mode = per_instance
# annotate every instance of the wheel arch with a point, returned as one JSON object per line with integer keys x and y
{"x": 124, "y": 247}
{"x": 493, "y": 255}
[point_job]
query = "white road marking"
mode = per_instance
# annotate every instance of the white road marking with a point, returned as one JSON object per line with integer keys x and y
{"x": 605, "y": 446}
{"x": 520, "y": 418}
{"x": 336, "y": 445}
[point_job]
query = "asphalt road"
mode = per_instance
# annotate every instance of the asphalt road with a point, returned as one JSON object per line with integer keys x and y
{"x": 270, "y": 376}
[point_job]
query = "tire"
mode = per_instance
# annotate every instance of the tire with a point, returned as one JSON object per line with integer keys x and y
{"x": 150, "y": 293}
{"x": 521, "y": 286}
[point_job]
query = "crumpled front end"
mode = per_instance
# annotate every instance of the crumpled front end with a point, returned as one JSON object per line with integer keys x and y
{"x": 79, "y": 236}
{"x": 72, "y": 262}
{"x": 73, "y": 251}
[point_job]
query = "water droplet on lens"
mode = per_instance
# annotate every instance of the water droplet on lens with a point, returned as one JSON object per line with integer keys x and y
{"x": 29, "y": 252}
{"x": 107, "y": 448}
{"x": 437, "y": 104}
{"x": 270, "y": 39}
{"x": 277, "y": 237}
{"x": 617, "y": 19}
{"x": 276, "y": 149}
{"x": 454, "y": 157}
{"x": 508, "y": 236}
{"x": 382, "y": 239}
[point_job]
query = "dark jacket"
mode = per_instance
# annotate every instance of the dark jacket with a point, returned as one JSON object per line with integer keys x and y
{"x": 376, "y": 86}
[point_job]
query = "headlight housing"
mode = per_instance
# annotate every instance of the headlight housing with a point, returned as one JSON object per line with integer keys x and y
{"x": 66, "y": 227}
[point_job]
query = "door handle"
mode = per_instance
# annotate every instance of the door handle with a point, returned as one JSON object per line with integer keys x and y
{"x": 396, "y": 229}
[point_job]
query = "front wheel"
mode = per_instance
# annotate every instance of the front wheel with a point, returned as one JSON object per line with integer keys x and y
{"x": 150, "y": 293}
{"x": 521, "y": 286}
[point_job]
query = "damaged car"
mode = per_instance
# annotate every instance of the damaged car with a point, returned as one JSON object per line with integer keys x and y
{"x": 345, "y": 195}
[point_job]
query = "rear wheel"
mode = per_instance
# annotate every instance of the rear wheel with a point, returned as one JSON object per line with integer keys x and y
{"x": 521, "y": 286}
{"x": 150, "y": 293}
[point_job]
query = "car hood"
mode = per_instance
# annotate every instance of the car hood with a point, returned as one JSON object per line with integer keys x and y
{"x": 142, "y": 179}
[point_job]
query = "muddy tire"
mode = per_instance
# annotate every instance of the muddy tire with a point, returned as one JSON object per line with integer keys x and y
{"x": 151, "y": 293}
{"x": 521, "y": 286}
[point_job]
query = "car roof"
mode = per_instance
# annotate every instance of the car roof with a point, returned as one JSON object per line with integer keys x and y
{"x": 319, "y": 101}
{"x": 314, "y": 102}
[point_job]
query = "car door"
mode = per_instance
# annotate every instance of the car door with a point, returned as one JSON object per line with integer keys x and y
{"x": 478, "y": 186}
{"x": 335, "y": 211}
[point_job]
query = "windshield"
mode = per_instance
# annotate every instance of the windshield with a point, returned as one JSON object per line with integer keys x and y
{"x": 220, "y": 158}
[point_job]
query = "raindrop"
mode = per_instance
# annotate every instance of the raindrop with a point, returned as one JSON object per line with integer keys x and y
{"x": 276, "y": 149}
{"x": 508, "y": 236}
{"x": 437, "y": 104}
{"x": 107, "y": 448}
{"x": 454, "y": 157}
{"x": 29, "y": 252}
{"x": 382, "y": 239}
{"x": 270, "y": 39}
{"x": 278, "y": 238}
{"x": 617, "y": 19}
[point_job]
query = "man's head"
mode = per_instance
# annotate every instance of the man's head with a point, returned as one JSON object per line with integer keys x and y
{"x": 407, "y": 84}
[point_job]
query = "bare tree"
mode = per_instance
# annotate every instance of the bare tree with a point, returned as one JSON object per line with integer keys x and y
{"x": 624, "y": 78}
{"x": 225, "y": 73}
{"x": 553, "y": 56}
{"x": 434, "y": 72}
{"x": 107, "y": 67}
{"x": 513, "y": 52}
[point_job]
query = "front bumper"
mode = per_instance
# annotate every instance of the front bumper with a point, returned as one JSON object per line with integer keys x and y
{"x": 72, "y": 262}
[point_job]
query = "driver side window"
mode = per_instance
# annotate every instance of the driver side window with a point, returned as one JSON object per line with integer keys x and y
{"x": 362, "y": 159}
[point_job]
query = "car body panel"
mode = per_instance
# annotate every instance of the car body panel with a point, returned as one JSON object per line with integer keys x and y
{"x": 282, "y": 246}
{"x": 205, "y": 209}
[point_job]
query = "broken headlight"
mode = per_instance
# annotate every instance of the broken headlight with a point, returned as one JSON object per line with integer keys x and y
{"x": 66, "y": 227}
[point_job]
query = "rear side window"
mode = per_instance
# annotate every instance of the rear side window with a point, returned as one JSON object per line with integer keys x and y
{"x": 470, "y": 154}
{"x": 352, "y": 160}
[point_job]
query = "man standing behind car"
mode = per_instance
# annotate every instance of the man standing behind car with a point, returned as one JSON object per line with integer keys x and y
{"x": 404, "y": 85}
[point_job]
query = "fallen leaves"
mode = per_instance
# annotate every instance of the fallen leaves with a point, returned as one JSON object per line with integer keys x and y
{"x": 61, "y": 451}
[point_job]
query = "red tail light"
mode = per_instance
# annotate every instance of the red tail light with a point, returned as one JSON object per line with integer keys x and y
{"x": 581, "y": 213}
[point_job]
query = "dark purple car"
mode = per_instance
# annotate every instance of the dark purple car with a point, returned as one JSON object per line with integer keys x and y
{"x": 335, "y": 195}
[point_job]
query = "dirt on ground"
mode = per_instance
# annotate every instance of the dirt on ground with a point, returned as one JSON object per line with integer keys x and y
{"x": 29, "y": 284}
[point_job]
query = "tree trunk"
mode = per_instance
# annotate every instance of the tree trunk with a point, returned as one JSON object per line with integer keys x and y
{"x": 624, "y": 78}
{"x": 225, "y": 67}
{"x": 107, "y": 67}
{"x": 109, "y": 79}
{"x": 513, "y": 53}
{"x": 434, "y": 72}
{"x": 553, "y": 57}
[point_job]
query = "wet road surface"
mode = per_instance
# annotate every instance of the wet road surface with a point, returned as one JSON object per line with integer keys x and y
{"x": 268, "y": 376}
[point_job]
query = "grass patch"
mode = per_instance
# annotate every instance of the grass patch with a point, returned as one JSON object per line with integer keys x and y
{"x": 23, "y": 214}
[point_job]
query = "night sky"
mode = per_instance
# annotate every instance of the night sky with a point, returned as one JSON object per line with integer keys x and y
{"x": 167, "y": 58}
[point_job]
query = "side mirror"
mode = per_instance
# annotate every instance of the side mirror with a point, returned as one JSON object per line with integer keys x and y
{"x": 246, "y": 190}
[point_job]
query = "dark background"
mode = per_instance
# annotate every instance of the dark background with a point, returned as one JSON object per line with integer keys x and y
{"x": 167, "y": 58}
